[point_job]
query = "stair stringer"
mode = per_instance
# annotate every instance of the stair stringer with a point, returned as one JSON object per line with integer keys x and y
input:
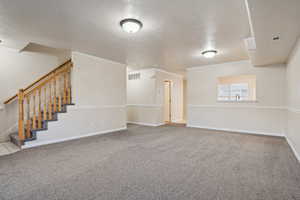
{"x": 81, "y": 122}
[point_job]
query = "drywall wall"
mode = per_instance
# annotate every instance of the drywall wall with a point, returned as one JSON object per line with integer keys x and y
{"x": 145, "y": 97}
{"x": 293, "y": 100}
{"x": 99, "y": 94}
{"x": 18, "y": 70}
{"x": 141, "y": 99}
{"x": 264, "y": 116}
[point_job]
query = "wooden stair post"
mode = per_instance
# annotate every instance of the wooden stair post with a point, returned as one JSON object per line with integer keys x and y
{"x": 65, "y": 89}
{"x": 21, "y": 115}
{"x": 40, "y": 117}
{"x": 69, "y": 87}
{"x": 59, "y": 95}
{"x": 50, "y": 103}
{"x": 28, "y": 125}
{"x": 44, "y": 98}
{"x": 54, "y": 96}
{"x": 34, "y": 118}
{"x": 45, "y": 104}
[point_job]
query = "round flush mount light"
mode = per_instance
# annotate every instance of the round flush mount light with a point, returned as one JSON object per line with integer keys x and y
{"x": 209, "y": 53}
{"x": 130, "y": 25}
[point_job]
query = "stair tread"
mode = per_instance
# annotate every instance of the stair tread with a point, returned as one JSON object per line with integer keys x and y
{"x": 14, "y": 137}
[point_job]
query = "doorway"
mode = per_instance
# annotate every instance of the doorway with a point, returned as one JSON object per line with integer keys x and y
{"x": 167, "y": 102}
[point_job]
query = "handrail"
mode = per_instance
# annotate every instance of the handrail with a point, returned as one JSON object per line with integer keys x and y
{"x": 39, "y": 80}
{"x": 47, "y": 80}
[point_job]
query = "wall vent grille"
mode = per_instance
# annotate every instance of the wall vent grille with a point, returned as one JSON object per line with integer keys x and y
{"x": 134, "y": 76}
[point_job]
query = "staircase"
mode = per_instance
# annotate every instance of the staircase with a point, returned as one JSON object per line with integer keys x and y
{"x": 41, "y": 102}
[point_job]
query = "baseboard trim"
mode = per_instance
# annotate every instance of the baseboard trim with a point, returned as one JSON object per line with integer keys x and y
{"x": 145, "y": 124}
{"x": 176, "y": 120}
{"x": 293, "y": 148}
{"x": 36, "y": 144}
{"x": 237, "y": 131}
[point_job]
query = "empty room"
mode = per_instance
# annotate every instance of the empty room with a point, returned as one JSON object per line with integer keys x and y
{"x": 150, "y": 100}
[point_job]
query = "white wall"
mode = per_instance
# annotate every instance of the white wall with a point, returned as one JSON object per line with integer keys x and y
{"x": 293, "y": 100}
{"x": 145, "y": 97}
{"x": 141, "y": 98}
{"x": 99, "y": 94}
{"x": 266, "y": 116}
{"x": 18, "y": 70}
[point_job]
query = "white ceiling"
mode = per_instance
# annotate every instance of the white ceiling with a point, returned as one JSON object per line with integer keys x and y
{"x": 174, "y": 33}
{"x": 274, "y": 18}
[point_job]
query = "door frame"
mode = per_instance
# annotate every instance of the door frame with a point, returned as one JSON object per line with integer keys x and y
{"x": 170, "y": 99}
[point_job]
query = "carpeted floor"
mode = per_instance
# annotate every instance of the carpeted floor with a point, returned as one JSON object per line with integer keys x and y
{"x": 164, "y": 163}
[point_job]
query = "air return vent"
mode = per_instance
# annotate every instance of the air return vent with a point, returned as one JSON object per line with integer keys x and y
{"x": 134, "y": 76}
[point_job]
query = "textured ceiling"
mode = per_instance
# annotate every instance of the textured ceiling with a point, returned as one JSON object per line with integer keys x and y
{"x": 174, "y": 34}
{"x": 271, "y": 18}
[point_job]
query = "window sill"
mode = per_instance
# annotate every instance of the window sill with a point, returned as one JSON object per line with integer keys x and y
{"x": 232, "y": 101}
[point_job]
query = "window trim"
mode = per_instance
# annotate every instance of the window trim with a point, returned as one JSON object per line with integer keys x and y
{"x": 234, "y": 101}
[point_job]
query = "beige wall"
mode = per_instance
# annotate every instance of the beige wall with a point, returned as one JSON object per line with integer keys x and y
{"x": 265, "y": 116}
{"x": 141, "y": 98}
{"x": 145, "y": 97}
{"x": 18, "y": 70}
{"x": 99, "y": 94}
{"x": 293, "y": 100}
{"x": 142, "y": 91}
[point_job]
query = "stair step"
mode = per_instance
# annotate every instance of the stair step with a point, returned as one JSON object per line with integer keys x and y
{"x": 14, "y": 137}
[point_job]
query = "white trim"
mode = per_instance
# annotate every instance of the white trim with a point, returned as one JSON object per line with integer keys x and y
{"x": 170, "y": 73}
{"x": 249, "y": 18}
{"x": 237, "y": 130}
{"x": 237, "y": 101}
{"x": 95, "y": 107}
{"x": 36, "y": 144}
{"x": 177, "y": 120}
{"x": 158, "y": 70}
{"x": 145, "y": 105}
{"x": 96, "y": 58}
{"x": 145, "y": 124}
{"x": 237, "y": 106}
{"x": 212, "y": 66}
{"x": 293, "y": 110}
{"x": 293, "y": 148}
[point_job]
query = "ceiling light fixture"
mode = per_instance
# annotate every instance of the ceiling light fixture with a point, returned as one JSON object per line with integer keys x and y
{"x": 130, "y": 25}
{"x": 209, "y": 53}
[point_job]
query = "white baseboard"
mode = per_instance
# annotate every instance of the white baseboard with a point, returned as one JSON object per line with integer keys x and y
{"x": 237, "y": 131}
{"x": 145, "y": 124}
{"x": 293, "y": 148}
{"x": 36, "y": 143}
{"x": 177, "y": 120}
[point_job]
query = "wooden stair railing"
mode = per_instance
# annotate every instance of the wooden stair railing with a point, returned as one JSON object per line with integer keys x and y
{"x": 40, "y": 100}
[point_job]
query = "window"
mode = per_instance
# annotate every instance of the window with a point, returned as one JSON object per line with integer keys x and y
{"x": 237, "y": 88}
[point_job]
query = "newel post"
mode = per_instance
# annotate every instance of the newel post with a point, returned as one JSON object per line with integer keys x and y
{"x": 21, "y": 115}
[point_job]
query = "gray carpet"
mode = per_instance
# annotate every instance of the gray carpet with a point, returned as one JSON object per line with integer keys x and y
{"x": 168, "y": 162}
